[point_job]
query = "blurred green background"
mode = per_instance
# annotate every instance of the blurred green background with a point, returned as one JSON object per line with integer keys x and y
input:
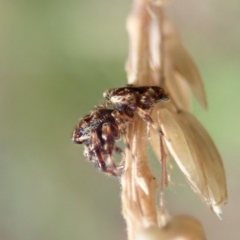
{"x": 56, "y": 59}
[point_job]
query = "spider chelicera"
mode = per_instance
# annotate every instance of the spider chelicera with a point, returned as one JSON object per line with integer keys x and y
{"x": 107, "y": 123}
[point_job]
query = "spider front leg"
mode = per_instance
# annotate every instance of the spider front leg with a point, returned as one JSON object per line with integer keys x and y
{"x": 103, "y": 166}
{"x": 147, "y": 118}
{"x": 106, "y": 169}
{"x": 96, "y": 153}
{"x": 118, "y": 150}
{"x": 122, "y": 126}
{"x": 110, "y": 134}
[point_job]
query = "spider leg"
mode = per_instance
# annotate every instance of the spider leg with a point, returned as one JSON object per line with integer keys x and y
{"x": 97, "y": 154}
{"x": 100, "y": 161}
{"x": 97, "y": 157}
{"x": 88, "y": 154}
{"x": 118, "y": 150}
{"x": 164, "y": 173}
{"x": 147, "y": 118}
{"x": 101, "y": 164}
{"x": 123, "y": 131}
{"x": 110, "y": 134}
{"x": 104, "y": 168}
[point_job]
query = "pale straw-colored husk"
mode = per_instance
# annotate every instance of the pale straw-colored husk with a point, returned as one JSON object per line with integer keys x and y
{"x": 157, "y": 57}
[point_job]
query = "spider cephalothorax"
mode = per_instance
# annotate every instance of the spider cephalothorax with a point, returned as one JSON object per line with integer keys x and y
{"x": 103, "y": 126}
{"x": 131, "y": 99}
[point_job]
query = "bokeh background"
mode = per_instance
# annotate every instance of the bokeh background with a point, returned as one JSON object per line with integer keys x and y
{"x": 56, "y": 59}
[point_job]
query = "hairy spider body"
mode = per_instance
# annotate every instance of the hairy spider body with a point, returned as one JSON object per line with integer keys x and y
{"x": 103, "y": 126}
{"x": 131, "y": 99}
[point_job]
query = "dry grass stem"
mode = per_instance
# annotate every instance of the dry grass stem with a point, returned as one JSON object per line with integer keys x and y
{"x": 157, "y": 57}
{"x": 138, "y": 184}
{"x": 137, "y": 66}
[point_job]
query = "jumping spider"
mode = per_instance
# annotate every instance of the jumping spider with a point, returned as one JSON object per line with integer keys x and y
{"x": 103, "y": 126}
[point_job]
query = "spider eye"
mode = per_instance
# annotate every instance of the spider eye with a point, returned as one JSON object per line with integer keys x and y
{"x": 82, "y": 131}
{"x": 79, "y": 132}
